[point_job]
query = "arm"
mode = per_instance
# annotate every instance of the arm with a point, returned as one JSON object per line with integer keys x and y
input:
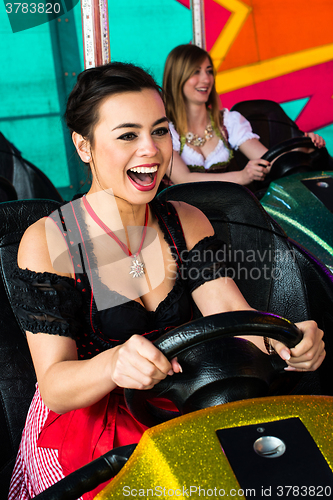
{"x": 253, "y": 149}
{"x": 67, "y": 383}
{"x": 223, "y": 295}
{"x": 180, "y": 173}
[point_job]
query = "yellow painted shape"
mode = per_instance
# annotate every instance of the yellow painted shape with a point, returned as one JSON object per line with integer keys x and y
{"x": 185, "y": 452}
{"x": 239, "y": 12}
{"x": 237, "y": 78}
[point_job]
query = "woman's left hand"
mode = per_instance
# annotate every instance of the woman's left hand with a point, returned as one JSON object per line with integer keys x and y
{"x": 308, "y": 354}
{"x": 316, "y": 139}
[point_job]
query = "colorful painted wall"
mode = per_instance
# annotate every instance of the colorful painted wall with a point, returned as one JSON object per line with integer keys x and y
{"x": 268, "y": 49}
{"x": 278, "y": 49}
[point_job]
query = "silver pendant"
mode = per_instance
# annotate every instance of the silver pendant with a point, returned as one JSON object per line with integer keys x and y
{"x": 137, "y": 268}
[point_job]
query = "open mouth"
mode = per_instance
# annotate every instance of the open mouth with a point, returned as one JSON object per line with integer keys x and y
{"x": 143, "y": 178}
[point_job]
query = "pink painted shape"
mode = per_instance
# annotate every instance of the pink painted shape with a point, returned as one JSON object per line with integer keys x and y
{"x": 186, "y": 3}
{"x": 216, "y": 17}
{"x": 314, "y": 82}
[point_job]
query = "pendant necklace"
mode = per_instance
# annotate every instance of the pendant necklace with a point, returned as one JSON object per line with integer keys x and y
{"x": 137, "y": 267}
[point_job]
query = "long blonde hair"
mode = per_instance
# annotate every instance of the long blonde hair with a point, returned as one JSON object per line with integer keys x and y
{"x": 180, "y": 65}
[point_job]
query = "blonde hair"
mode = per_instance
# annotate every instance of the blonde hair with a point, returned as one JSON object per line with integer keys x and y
{"x": 180, "y": 65}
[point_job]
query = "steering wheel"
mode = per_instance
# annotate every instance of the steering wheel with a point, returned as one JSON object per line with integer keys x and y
{"x": 217, "y": 368}
{"x": 290, "y": 161}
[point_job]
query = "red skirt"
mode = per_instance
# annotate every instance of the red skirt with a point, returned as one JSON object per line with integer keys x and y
{"x": 83, "y": 435}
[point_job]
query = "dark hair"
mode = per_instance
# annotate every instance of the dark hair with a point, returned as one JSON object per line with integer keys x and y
{"x": 180, "y": 65}
{"x": 94, "y": 85}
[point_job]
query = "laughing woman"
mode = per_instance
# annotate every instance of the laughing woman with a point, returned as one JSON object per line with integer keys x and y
{"x": 100, "y": 280}
{"x": 204, "y": 137}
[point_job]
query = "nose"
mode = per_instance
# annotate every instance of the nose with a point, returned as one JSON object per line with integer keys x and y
{"x": 147, "y": 147}
{"x": 205, "y": 77}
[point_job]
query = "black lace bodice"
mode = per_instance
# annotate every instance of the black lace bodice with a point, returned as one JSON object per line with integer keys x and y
{"x": 53, "y": 304}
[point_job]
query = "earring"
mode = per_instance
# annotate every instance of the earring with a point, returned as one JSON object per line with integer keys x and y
{"x": 88, "y": 159}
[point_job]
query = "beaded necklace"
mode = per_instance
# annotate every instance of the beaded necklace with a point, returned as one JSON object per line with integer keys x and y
{"x": 218, "y": 133}
{"x": 196, "y": 140}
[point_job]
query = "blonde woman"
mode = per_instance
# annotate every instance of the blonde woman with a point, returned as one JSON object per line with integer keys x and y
{"x": 204, "y": 137}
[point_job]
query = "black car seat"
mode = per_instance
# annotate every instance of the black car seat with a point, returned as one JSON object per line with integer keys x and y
{"x": 17, "y": 375}
{"x": 303, "y": 290}
{"x": 268, "y": 120}
{"x": 7, "y": 190}
{"x": 274, "y": 126}
{"x": 26, "y": 178}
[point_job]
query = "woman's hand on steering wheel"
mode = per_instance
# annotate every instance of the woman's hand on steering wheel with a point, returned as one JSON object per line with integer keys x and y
{"x": 255, "y": 170}
{"x": 138, "y": 364}
{"x": 308, "y": 354}
{"x": 317, "y": 140}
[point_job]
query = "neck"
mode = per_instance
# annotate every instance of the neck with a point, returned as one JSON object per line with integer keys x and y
{"x": 116, "y": 212}
{"x": 197, "y": 117}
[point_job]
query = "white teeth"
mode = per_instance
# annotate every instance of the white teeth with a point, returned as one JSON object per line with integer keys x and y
{"x": 144, "y": 170}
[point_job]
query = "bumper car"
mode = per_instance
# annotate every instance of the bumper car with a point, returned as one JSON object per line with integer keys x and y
{"x": 243, "y": 423}
{"x": 298, "y": 192}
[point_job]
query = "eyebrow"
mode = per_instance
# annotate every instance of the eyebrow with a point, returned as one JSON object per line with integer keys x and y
{"x": 136, "y": 125}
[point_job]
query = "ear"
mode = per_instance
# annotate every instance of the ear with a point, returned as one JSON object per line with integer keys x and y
{"x": 82, "y": 147}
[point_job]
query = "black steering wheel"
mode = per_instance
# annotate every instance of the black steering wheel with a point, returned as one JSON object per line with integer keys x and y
{"x": 291, "y": 162}
{"x": 288, "y": 162}
{"x": 217, "y": 368}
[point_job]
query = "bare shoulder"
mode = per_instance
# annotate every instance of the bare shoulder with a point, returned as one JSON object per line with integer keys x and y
{"x": 39, "y": 247}
{"x": 196, "y": 225}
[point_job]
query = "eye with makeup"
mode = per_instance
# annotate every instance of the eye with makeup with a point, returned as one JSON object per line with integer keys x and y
{"x": 128, "y": 136}
{"x": 161, "y": 131}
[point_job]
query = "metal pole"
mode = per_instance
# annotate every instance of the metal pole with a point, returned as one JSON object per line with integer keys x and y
{"x": 95, "y": 31}
{"x": 198, "y": 22}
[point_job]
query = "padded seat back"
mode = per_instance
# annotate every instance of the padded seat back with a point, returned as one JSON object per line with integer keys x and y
{"x": 17, "y": 375}
{"x": 268, "y": 120}
{"x": 273, "y": 126}
{"x": 28, "y": 180}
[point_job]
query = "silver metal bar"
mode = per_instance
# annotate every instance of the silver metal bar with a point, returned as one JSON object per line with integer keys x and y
{"x": 95, "y": 31}
{"x": 198, "y": 23}
{"x": 105, "y": 37}
{"x": 88, "y": 33}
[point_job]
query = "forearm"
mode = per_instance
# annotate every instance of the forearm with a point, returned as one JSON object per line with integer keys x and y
{"x": 72, "y": 384}
{"x": 185, "y": 177}
{"x": 179, "y": 173}
{"x": 223, "y": 295}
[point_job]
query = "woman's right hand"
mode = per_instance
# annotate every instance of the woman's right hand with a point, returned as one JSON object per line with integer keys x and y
{"x": 138, "y": 364}
{"x": 255, "y": 170}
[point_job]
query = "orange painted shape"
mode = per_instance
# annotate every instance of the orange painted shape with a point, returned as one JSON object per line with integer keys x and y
{"x": 278, "y": 27}
{"x": 236, "y": 55}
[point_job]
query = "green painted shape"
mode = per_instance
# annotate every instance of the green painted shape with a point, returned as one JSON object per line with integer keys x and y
{"x": 33, "y": 87}
{"x": 67, "y": 67}
{"x": 46, "y": 131}
{"x": 327, "y": 133}
{"x": 144, "y": 33}
{"x": 293, "y": 108}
